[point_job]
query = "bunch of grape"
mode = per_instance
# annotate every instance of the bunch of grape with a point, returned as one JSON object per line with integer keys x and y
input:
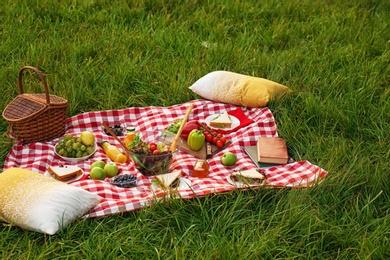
{"x": 72, "y": 147}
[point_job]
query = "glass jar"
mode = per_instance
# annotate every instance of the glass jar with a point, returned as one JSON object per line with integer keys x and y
{"x": 201, "y": 169}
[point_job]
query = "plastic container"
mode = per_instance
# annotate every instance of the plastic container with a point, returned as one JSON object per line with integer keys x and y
{"x": 113, "y": 152}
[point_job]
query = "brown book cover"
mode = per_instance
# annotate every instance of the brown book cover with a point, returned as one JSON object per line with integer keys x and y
{"x": 272, "y": 150}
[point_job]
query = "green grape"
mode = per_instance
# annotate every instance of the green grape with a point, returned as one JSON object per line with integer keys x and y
{"x": 79, "y": 154}
{"x": 75, "y": 146}
{"x": 68, "y": 137}
{"x": 58, "y": 148}
{"x": 69, "y": 150}
{"x": 65, "y": 154}
{"x": 74, "y": 154}
{"x": 61, "y": 143}
{"x": 83, "y": 148}
{"x": 69, "y": 143}
{"x": 85, "y": 153}
{"x": 61, "y": 152}
{"x": 90, "y": 149}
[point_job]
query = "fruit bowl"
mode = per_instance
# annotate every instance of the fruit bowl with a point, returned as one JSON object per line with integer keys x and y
{"x": 59, "y": 153}
{"x": 145, "y": 161}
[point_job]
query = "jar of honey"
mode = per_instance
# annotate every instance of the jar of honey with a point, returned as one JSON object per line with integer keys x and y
{"x": 201, "y": 169}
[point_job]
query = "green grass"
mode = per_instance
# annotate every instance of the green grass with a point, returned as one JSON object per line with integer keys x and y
{"x": 334, "y": 55}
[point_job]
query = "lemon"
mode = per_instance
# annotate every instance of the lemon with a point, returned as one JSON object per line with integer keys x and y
{"x": 87, "y": 138}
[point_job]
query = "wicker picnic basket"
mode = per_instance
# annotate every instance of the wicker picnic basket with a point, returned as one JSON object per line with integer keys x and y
{"x": 35, "y": 117}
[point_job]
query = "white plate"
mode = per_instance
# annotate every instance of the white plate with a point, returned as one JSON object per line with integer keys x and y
{"x": 74, "y": 159}
{"x": 235, "y": 122}
{"x": 239, "y": 184}
{"x": 184, "y": 184}
{"x": 71, "y": 180}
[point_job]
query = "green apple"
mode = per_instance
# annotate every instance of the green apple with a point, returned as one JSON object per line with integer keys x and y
{"x": 111, "y": 169}
{"x": 99, "y": 164}
{"x": 229, "y": 159}
{"x": 97, "y": 173}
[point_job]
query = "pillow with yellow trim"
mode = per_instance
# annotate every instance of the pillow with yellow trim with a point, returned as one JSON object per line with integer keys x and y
{"x": 36, "y": 202}
{"x": 238, "y": 89}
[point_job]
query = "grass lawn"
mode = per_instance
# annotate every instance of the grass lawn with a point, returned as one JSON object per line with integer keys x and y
{"x": 334, "y": 55}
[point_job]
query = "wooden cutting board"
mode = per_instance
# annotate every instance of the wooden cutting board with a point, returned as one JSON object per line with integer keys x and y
{"x": 207, "y": 151}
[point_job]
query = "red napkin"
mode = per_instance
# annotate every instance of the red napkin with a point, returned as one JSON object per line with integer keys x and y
{"x": 239, "y": 114}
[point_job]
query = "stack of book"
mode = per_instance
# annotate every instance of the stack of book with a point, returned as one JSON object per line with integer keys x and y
{"x": 268, "y": 151}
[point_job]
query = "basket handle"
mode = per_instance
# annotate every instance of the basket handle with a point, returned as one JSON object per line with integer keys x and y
{"x": 42, "y": 79}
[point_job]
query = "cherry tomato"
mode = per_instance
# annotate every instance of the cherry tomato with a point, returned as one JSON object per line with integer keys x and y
{"x": 209, "y": 138}
{"x": 223, "y": 139}
{"x": 215, "y": 139}
{"x": 156, "y": 152}
{"x": 152, "y": 147}
{"x": 219, "y": 135}
{"x": 205, "y": 133}
{"x": 219, "y": 144}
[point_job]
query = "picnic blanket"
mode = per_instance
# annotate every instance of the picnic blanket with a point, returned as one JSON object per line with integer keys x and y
{"x": 38, "y": 156}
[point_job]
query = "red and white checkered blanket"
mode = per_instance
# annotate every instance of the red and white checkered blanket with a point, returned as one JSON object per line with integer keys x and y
{"x": 38, "y": 156}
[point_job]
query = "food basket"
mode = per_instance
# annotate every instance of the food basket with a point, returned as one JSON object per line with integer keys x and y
{"x": 35, "y": 117}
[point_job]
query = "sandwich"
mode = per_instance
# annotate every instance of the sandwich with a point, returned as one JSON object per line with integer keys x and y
{"x": 252, "y": 176}
{"x": 65, "y": 173}
{"x": 168, "y": 180}
{"x": 221, "y": 121}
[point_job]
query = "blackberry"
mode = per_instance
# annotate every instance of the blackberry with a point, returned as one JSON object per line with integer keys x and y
{"x": 124, "y": 181}
{"x": 116, "y": 129}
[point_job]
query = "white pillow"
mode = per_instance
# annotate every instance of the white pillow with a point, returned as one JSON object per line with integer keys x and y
{"x": 238, "y": 89}
{"x": 36, "y": 202}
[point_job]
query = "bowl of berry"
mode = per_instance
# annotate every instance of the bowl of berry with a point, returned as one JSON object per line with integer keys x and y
{"x": 150, "y": 152}
{"x": 117, "y": 129}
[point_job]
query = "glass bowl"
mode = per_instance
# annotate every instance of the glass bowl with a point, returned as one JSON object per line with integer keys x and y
{"x": 154, "y": 164}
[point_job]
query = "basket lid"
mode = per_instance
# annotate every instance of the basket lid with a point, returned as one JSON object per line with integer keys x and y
{"x": 54, "y": 100}
{"x": 21, "y": 108}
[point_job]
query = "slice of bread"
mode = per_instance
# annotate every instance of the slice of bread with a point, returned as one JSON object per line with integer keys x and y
{"x": 222, "y": 121}
{"x": 169, "y": 180}
{"x": 65, "y": 173}
{"x": 251, "y": 176}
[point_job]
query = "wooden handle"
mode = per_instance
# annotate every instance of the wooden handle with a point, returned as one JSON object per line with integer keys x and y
{"x": 185, "y": 119}
{"x": 20, "y": 81}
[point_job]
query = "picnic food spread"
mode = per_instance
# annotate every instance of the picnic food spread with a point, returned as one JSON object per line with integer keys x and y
{"x": 123, "y": 160}
{"x": 133, "y": 187}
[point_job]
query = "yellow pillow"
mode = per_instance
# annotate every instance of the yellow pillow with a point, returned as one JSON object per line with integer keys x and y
{"x": 36, "y": 202}
{"x": 238, "y": 89}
